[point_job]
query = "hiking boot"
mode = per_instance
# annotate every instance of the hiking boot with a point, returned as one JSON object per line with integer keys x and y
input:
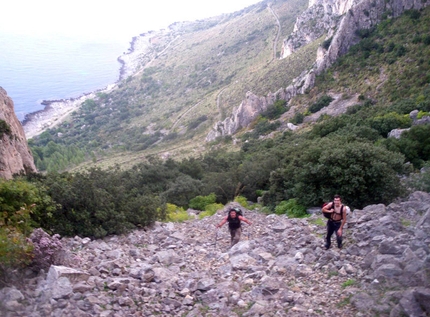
{"x": 326, "y": 246}
{"x": 339, "y": 246}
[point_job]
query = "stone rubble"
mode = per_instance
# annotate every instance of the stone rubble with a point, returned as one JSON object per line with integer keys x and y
{"x": 279, "y": 268}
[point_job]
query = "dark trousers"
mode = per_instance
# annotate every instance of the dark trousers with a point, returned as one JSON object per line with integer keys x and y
{"x": 333, "y": 227}
{"x": 235, "y": 235}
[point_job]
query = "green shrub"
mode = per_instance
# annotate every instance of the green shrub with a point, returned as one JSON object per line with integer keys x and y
{"x": 175, "y": 213}
{"x": 422, "y": 114}
{"x": 276, "y": 110}
{"x": 264, "y": 127}
{"x": 242, "y": 201}
{"x": 414, "y": 144}
{"x": 25, "y": 205}
{"x": 361, "y": 172}
{"x": 349, "y": 282}
{"x": 16, "y": 250}
{"x": 200, "y": 202}
{"x": 322, "y": 102}
{"x": 404, "y": 106}
{"x": 210, "y": 210}
{"x": 4, "y": 128}
{"x": 421, "y": 181}
{"x": 97, "y": 203}
{"x": 298, "y": 118}
{"x": 387, "y": 122}
{"x": 291, "y": 208}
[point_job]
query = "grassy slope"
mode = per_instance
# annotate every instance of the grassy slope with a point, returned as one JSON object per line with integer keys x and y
{"x": 390, "y": 65}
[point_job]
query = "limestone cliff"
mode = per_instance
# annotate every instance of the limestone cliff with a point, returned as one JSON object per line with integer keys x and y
{"x": 338, "y": 20}
{"x": 15, "y": 155}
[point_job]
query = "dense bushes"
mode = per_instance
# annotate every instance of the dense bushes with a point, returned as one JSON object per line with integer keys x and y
{"x": 360, "y": 172}
{"x": 276, "y": 110}
{"x": 291, "y": 208}
{"x": 322, "y": 102}
{"x": 389, "y": 121}
{"x": 413, "y": 144}
{"x": 23, "y": 206}
{"x": 200, "y": 202}
{"x": 98, "y": 203}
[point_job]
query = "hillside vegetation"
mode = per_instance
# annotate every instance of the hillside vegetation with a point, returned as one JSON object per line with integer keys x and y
{"x": 136, "y": 158}
{"x": 349, "y": 154}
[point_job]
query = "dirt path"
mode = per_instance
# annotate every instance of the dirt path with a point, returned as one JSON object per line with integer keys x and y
{"x": 275, "y": 43}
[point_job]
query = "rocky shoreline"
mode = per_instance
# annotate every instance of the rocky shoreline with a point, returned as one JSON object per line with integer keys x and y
{"x": 56, "y": 111}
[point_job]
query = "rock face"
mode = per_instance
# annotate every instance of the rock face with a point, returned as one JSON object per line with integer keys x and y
{"x": 339, "y": 20}
{"x": 15, "y": 155}
{"x": 253, "y": 105}
{"x": 321, "y": 17}
{"x": 363, "y": 15}
{"x": 279, "y": 268}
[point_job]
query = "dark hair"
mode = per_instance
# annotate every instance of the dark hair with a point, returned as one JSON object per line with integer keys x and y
{"x": 336, "y": 196}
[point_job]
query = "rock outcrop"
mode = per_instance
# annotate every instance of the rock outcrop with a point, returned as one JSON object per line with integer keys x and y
{"x": 253, "y": 105}
{"x": 339, "y": 20}
{"x": 278, "y": 269}
{"x": 15, "y": 155}
{"x": 363, "y": 15}
{"x": 321, "y": 17}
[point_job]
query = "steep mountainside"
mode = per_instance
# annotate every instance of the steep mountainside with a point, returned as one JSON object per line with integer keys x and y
{"x": 188, "y": 87}
{"x": 339, "y": 22}
{"x": 15, "y": 155}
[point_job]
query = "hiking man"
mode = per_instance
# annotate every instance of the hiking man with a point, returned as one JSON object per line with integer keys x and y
{"x": 336, "y": 222}
{"x": 234, "y": 225}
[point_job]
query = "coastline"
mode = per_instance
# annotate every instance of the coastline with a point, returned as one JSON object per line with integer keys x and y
{"x": 56, "y": 111}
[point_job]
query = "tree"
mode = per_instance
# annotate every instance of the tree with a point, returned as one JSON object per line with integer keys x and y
{"x": 360, "y": 172}
{"x": 181, "y": 190}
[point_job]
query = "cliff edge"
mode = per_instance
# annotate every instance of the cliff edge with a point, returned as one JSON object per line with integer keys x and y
{"x": 15, "y": 155}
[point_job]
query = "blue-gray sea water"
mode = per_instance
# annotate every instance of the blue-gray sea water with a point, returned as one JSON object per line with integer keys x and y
{"x": 37, "y": 68}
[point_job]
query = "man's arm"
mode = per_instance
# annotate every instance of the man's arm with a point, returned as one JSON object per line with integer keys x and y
{"x": 241, "y": 218}
{"x": 222, "y": 222}
{"x": 343, "y": 218}
{"x": 328, "y": 208}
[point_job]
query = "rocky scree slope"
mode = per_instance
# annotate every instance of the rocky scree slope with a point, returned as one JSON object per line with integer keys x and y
{"x": 278, "y": 269}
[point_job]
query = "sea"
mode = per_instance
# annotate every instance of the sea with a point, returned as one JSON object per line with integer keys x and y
{"x": 34, "y": 68}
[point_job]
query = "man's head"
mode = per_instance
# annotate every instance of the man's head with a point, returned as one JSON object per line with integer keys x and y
{"x": 337, "y": 200}
{"x": 233, "y": 213}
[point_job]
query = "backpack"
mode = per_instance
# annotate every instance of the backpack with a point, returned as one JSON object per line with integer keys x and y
{"x": 238, "y": 211}
{"x": 328, "y": 215}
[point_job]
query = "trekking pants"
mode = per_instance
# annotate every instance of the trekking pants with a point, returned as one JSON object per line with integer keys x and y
{"x": 333, "y": 227}
{"x": 235, "y": 235}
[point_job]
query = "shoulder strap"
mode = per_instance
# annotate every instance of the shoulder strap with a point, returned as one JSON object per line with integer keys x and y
{"x": 341, "y": 211}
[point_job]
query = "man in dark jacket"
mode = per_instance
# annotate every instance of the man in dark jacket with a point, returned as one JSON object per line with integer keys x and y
{"x": 234, "y": 225}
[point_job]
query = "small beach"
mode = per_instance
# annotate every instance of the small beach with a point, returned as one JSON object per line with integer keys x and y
{"x": 56, "y": 111}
